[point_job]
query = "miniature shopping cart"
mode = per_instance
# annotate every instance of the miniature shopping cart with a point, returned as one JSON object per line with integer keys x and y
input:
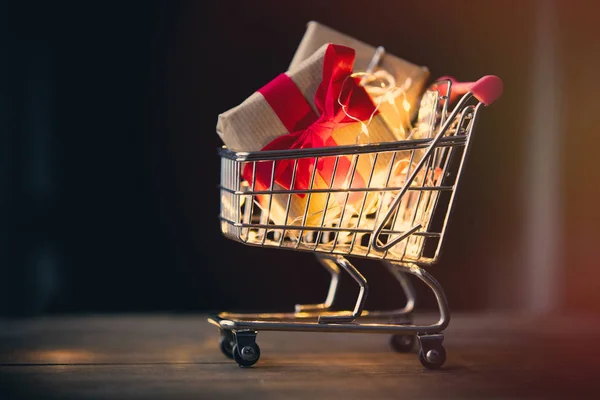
{"x": 400, "y": 219}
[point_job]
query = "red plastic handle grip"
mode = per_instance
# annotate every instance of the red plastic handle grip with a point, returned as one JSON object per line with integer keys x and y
{"x": 487, "y": 89}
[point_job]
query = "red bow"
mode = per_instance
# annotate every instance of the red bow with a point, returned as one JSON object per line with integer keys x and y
{"x": 309, "y": 131}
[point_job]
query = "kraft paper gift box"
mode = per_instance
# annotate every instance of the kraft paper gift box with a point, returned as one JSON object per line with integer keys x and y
{"x": 300, "y": 109}
{"x": 409, "y": 77}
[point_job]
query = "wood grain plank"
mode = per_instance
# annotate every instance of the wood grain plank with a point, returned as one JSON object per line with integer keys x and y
{"x": 176, "y": 356}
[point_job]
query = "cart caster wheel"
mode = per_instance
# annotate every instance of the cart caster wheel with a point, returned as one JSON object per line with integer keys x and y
{"x": 402, "y": 343}
{"x": 226, "y": 343}
{"x": 247, "y": 356}
{"x": 434, "y": 358}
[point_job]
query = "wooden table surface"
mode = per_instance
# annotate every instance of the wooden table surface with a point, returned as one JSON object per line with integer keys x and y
{"x": 177, "y": 357}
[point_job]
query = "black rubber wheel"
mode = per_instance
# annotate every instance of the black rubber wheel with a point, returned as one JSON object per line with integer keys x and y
{"x": 402, "y": 343}
{"x": 226, "y": 343}
{"x": 247, "y": 356}
{"x": 435, "y": 358}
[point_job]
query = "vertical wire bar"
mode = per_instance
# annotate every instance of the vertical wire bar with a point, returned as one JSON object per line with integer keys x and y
{"x": 446, "y": 97}
{"x": 272, "y": 182}
{"x": 234, "y": 199}
{"x": 364, "y": 201}
{"x": 407, "y": 198}
{"x": 230, "y": 196}
{"x": 236, "y": 182}
{"x": 254, "y": 198}
{"x": 415, "y": 238}
{"x": 433, "y": 119}
{"x": 450, "y": 155}
{"x": 310, "y": 187}
{"x": 289, "y": 201}
{"x": 432, "y": 124}
{"x": 223, "y": 194}
{"x": 353, "y": 171}
{"x": 320, "y": 232}
{"x": 384, "y": 193}
{"x": 426, "y": 195}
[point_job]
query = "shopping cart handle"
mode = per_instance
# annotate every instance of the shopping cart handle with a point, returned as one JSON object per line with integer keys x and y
{"x": 487, "y": 89}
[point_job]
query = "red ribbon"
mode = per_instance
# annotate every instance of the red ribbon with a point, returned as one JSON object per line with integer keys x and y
{"x": 309, "y": 131}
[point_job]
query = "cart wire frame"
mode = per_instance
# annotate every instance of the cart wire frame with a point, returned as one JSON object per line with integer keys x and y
{"x": 396, "y": 215}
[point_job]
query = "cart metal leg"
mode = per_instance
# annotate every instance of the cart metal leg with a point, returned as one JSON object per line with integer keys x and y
{"x": 398, "y": 315}
{"x": 343, "y": 263}
{"x": 331, "y": 266}
{"x": 431, "y": 354}
{"x": 402, "y": 277}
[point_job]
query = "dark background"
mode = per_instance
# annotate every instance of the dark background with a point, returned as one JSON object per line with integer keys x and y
{"x": 109, "y": 173}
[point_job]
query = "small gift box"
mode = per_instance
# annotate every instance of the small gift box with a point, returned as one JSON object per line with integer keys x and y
{"x": 316, "y": 104}
{"x": 403, "y": 81}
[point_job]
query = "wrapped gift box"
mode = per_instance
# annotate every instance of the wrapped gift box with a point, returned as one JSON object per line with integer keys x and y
{"x": 409, "y": 77}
